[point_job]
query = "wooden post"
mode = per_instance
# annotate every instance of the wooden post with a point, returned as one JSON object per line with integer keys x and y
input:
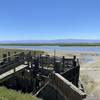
{"x": 78, "y": 72}
{"x": 4, "y": 58}
{"x": 29, "y": 59}
{"x": 54, "y": 53}
{"x": 42, "y": 61}
{"x": 9, "y": 58}
{"x": 47, "y": 60}
{"x": 30, "y": 56}
{"x": 15, "y": 56}
{"x": 57, "y": 67}
{"x": 15, "y": 61}
{"x": 36, "y": 63}
{"x": 63, "y": 62}
{"x": 22, "y": 57}
{"x": 54, "y": 56}
{"x": 74, "y": 61}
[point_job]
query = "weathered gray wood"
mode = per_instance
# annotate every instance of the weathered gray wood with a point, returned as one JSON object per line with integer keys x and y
{"x": 10, "y": 62}
{"x": 4, "y": 58}
{"x": 11, "y": 72}
{"x": 69, "y": 91}
{"x": 57, "y": 67}
{"x": 9, "y": 59}
{"x": 63, "y": 62}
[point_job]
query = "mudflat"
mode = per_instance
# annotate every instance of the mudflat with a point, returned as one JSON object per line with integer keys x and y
{"x": 89, "y": 71}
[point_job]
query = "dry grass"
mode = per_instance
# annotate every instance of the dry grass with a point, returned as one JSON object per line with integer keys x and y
{"x": 12, "y": 51}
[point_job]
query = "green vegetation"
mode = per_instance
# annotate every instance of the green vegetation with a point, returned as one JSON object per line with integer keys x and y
{"x": 2, "y": 51}
{"x": 51, "y": 44}
{"x": 8, "y": 94}
{"x": 29, "y": 44}
{"x": 80, "y": 44}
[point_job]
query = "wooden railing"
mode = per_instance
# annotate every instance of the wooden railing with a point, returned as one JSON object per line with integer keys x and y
{"x": 66, "y": 88}
{"x": 9, "y": 62}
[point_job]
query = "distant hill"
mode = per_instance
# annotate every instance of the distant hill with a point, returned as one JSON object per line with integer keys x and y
{"x": 53, "y": 41}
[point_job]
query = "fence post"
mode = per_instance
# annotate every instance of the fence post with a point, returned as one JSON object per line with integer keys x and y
{"x": 63, "y": 62}
{"x": 74, "y": 61}
{"x": 9, "y": 58}
{"x": 57, "y": 67}
{"x": 78, "y": 72}
{"x": 22, "y": 57}
{"x": 29, "y": 58}
{"x": 4, "y": 58}
{"x": 42, "y": 61}
{"x": 36, "y": 63}
{"x": 47, "y": 60}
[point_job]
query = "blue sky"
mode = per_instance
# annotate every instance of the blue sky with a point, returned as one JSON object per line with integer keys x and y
{"x": 49, "y": 19}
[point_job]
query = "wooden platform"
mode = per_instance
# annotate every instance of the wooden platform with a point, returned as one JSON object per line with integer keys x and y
{"x": 11, "y": 72}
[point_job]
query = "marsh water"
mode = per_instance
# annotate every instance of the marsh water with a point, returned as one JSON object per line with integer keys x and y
{"x": 95, "y": 49}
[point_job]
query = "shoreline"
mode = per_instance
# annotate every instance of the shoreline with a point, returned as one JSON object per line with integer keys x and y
{"x": 72, "y": 49}
{"x": 51, "y": 44}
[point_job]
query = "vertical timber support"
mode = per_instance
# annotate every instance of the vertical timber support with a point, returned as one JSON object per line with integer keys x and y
{"x": 63, "y": 63}
{"x": 36, "y": 63}
{"x": 22, "y": 57}
{"x": 57, "y": 67}
{"x": 76, "y": 65}
{"x": 47, "y": 61}
{"x": 29, "y": 59}
{"x": 4, "y": 58}
{"x": 74, "y": 61}
{"x": 9, "y": 58}
{"x": 41, "y": 60}
{"x": 78, "y": 72}
{"x": 54, "y": 58}
{"x": 15, "y": 60}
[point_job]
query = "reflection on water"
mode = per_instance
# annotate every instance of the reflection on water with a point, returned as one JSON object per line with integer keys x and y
{"x": 86, "y": 58}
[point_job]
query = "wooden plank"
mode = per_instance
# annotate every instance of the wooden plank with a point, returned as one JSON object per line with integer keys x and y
{"x": 6, "y": 74}
{"x": 10, "y": 72}
{"x": 67, "y": 88}
{"x": 20, "y": 67}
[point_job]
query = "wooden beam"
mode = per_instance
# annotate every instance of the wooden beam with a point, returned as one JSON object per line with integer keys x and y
{"x": 69, "y": 91}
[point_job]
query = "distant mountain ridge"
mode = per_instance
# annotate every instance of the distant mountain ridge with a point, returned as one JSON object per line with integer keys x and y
{"x": 53, "y": 41}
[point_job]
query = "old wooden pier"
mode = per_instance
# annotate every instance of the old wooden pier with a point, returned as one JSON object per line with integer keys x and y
{"x": 50, "y": 78}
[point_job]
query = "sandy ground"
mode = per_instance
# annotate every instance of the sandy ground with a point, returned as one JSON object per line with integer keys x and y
{"x": 89, "y": 72}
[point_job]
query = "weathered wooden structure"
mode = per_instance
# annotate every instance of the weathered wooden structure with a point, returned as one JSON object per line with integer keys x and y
{"x": 42, "y": 75}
